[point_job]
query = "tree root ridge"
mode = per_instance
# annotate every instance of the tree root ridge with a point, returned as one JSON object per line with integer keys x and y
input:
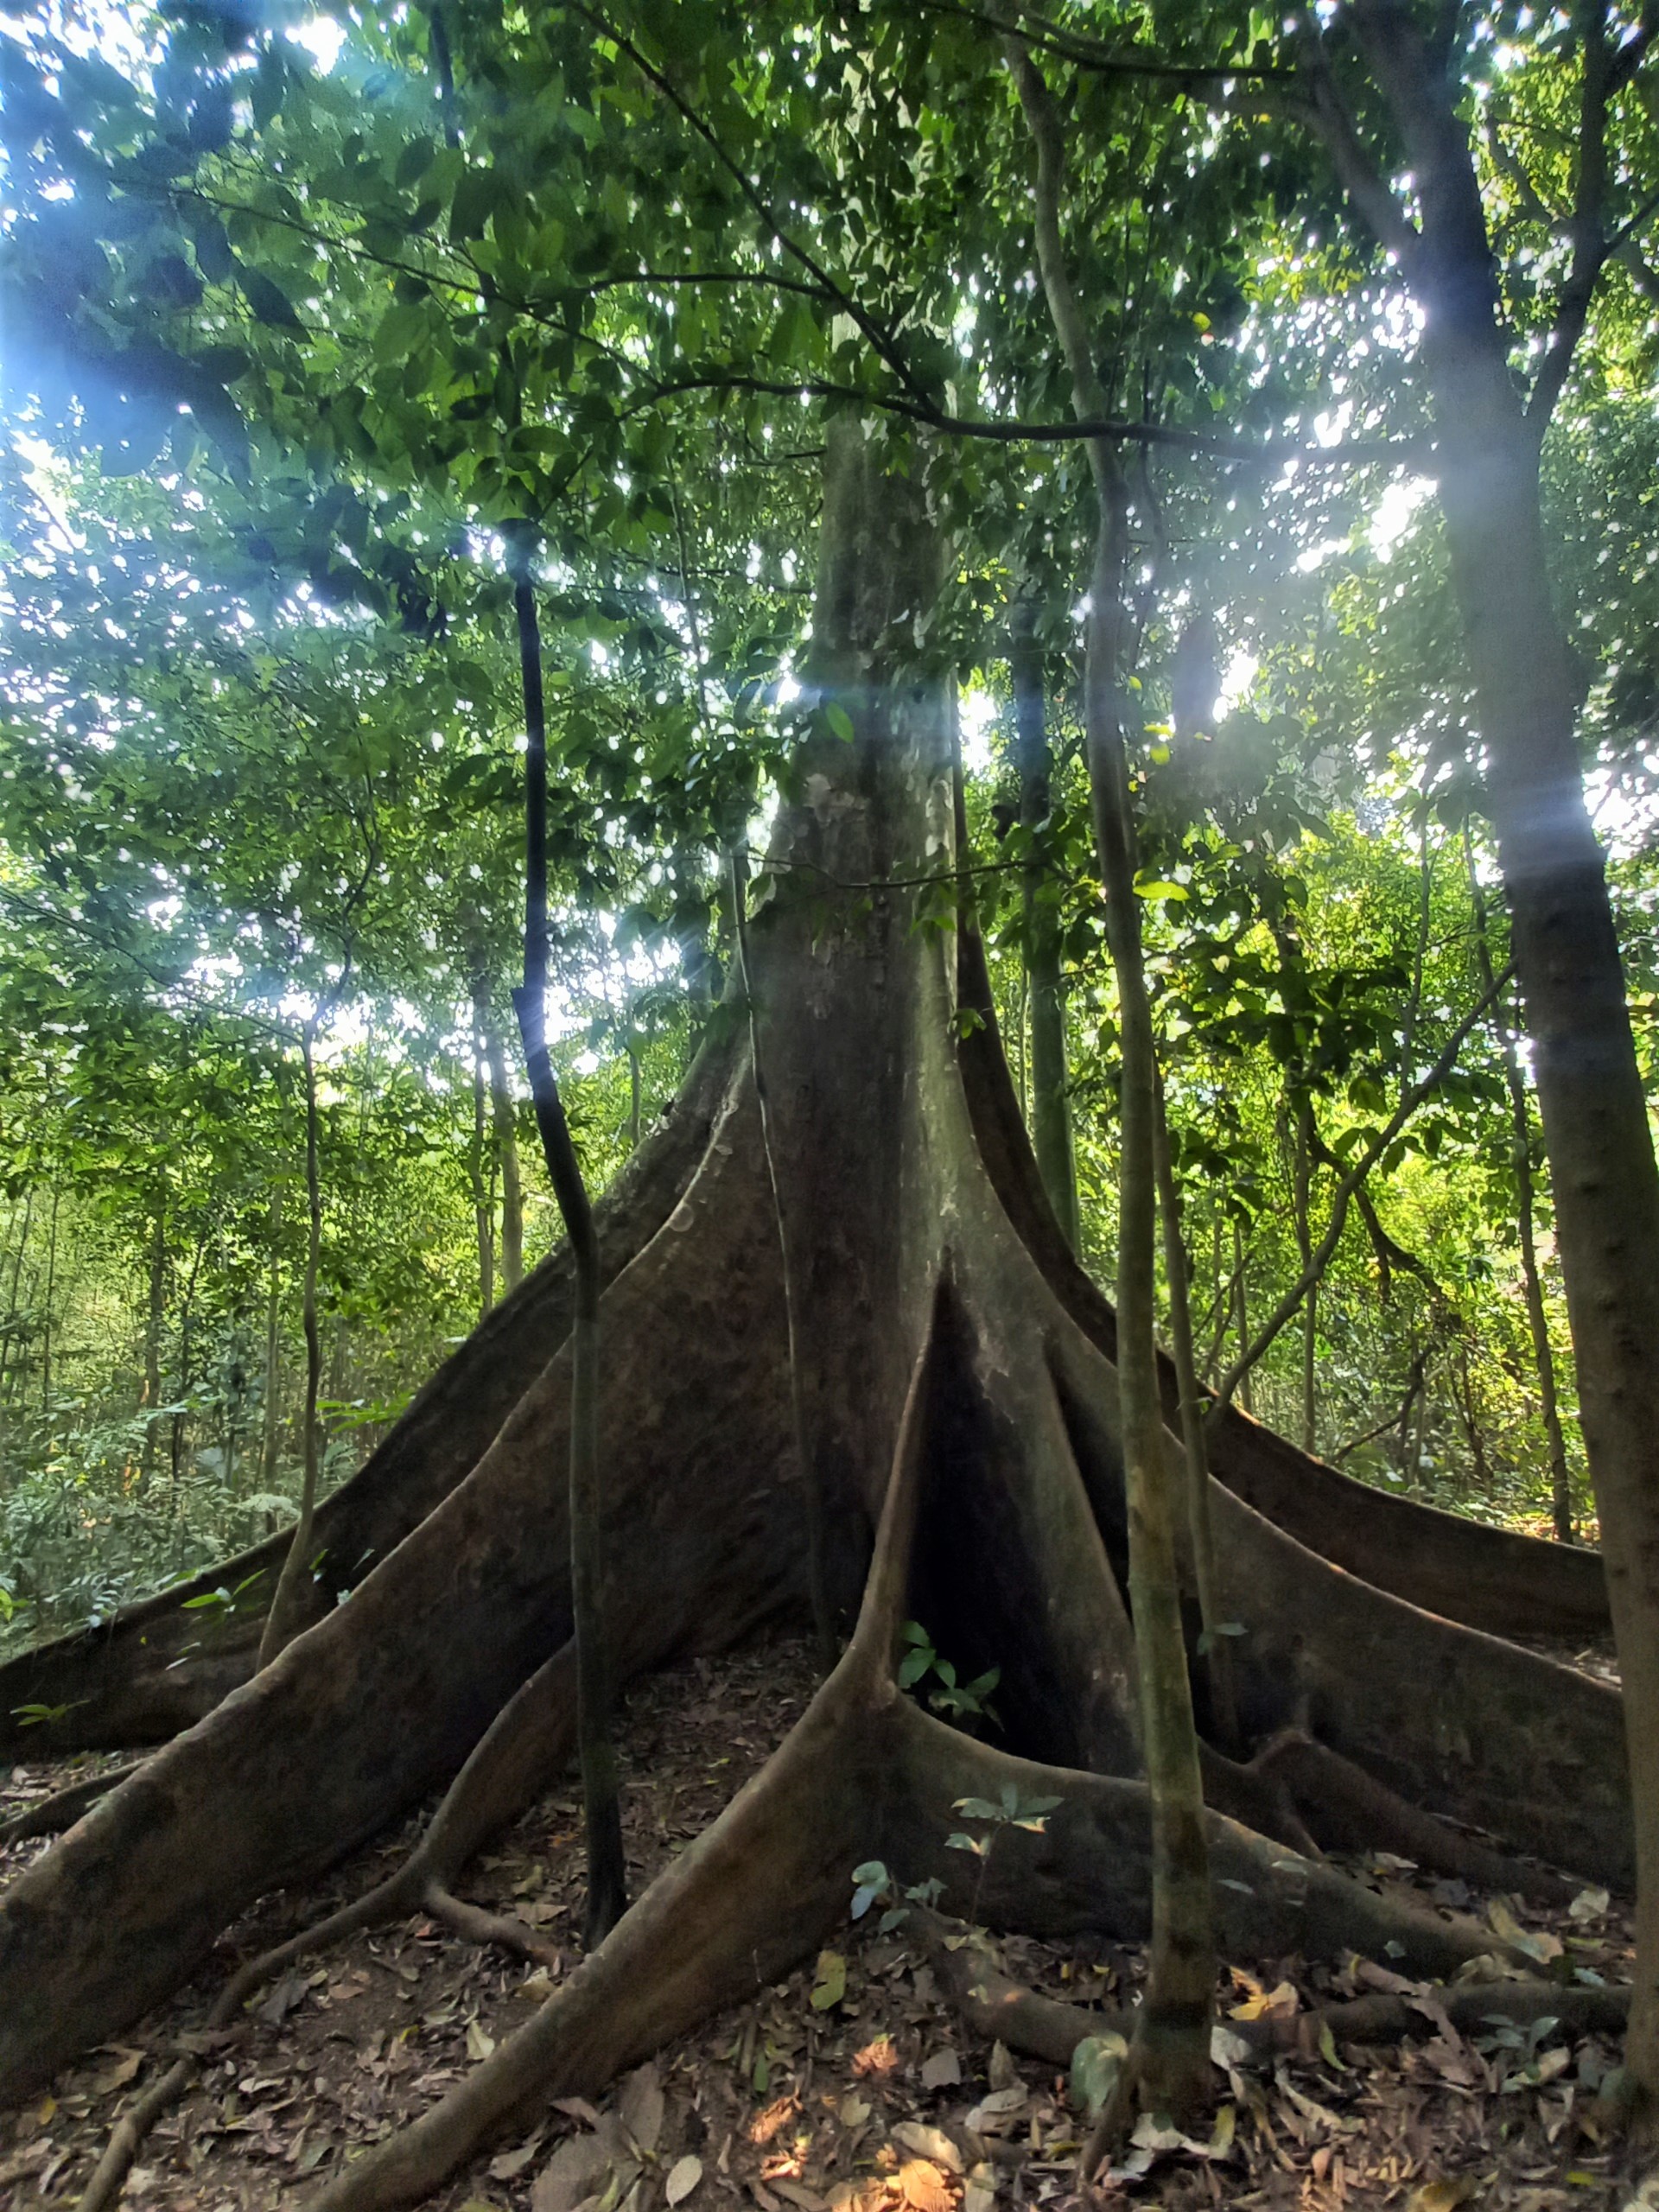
{"x": 523, "y": 1747}
{"x": 865, "y": 1772}
{"x": 764, "y": 1886}
{"x": 1349, "y": 1809}
{"x": 60, "y": 1812}
{"x": 381, "y": 1701}
{"x": 1488, "y": 1579}
{"x": 1002, "y": 2010}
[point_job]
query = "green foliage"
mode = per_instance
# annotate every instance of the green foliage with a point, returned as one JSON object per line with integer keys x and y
{"x": 960, "y": 1700}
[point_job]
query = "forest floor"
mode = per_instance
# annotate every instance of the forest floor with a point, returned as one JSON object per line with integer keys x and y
{"x": 849, "y": 2088}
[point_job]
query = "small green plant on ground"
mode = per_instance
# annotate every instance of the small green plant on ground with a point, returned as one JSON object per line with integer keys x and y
{"x": 872, "y": 1885}
{"x": 956, "y": 1700}
{"x": 1010, "y": 1811}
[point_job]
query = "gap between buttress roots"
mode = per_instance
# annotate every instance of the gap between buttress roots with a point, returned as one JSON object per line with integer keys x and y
{"x": 865, "y": 1773}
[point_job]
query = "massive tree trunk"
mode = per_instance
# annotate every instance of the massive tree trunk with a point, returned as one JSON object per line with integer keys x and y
{"x": 959, "y": 1408}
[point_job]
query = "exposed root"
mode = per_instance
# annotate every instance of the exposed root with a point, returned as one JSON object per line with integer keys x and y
{"x": 1003, "y": 2010}
{"x": 378, "y": 1705}
{"x": 1352, "y": 1811}
{"x": 865, "y": 1772}
{"x": 527, "y": 1742}
{"x": 61, "y": 1811}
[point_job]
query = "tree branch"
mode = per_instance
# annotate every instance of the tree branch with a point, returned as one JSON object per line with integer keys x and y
{"x": 1358, "y": 174}
{"x": 879, "y": 339}
{"x": 1588, "y": 226}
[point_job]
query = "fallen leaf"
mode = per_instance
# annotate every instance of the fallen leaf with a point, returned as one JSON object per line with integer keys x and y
{"x": 479, "y": 2042}
{"x": 853, "y": 2110}
{"x": 1226, "y": 2049}
{"x": 928, "y": 2143}
{"x": 831, "y": 1986}
{"x": 1441, "y": 2195}
{"x": 1150, "y": 2136}
{"x": 1281, "y": 1999}
{"x": 119, "y": 2076}
{"x": 570, "y": 2175}
{"x": 1589, "y": 1904}
{"x": 289, "y": 1992}
{"x": 923, "y": 2186}
{"x": 507, "y": 2164}
{"x": 641, "y": 2105}
{"x": 942, "y": 2070}
{"x": 975, "y": 2198}
{"x": 1005, "y": 2075}
{"x": 683, "y": 2177}
{"x": 1535, "y": 1944}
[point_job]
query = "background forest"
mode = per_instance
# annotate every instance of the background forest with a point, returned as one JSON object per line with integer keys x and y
{"x": 259, "y": 728}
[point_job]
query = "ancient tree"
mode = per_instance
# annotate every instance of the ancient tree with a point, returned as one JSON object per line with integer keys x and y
{"x": 960, "y": 1452}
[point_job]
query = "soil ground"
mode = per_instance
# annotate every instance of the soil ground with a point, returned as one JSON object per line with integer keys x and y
{"x": 825, "y": 2094}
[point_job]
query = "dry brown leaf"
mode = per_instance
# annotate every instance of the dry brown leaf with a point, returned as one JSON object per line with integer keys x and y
{"x": 1005, "y": 2075}
{"x": 924, "y": 2187}
{"x": 641, "y": 2105}
{"x": 941, "y": 2069}
{"x": 570, "y": 2175}
{"x": 807, "y": 2199}
{"x": 928, "y": 2143}
{"x": 1533, "y": 1942}
{"x": 683, "y": 2177}
{"x": 507, "y": 2164}
{"x": 1281, "y": 1999}
{"x": 119, "y": 2075}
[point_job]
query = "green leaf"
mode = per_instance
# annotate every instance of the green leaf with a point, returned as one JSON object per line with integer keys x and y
{"x": 839, "y": 721}
{"x": 1096, "y": 2064}
{"x": 477, "y": 196}
{"x": 267, "y": 299}
{"x": 830, "y": 1985}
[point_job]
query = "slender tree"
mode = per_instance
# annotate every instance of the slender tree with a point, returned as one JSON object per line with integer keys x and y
{"x": 600, "y": 1791}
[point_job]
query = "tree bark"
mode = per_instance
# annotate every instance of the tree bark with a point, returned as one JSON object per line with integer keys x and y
{"x": 1301, "y": 1178}
{"x": 482, "y": 1179}
{"x": 155, "y": 1316}
{"x": 589, "y": 1564}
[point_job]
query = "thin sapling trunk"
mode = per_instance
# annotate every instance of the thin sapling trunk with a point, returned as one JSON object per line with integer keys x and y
{"x": 1051, "y": 1109}
{"x": 278, "y": 1628}
{"x": 506, "y": 1146}
{"x": 601, "y": 1806}
{"x": 1168, "y": 2068}
{"x": 1217, "y": 1660}
{"x": 1543, "y": 1353}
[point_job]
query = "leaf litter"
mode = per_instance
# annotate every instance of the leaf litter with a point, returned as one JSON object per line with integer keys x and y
{"x": 849, "y": 2086}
